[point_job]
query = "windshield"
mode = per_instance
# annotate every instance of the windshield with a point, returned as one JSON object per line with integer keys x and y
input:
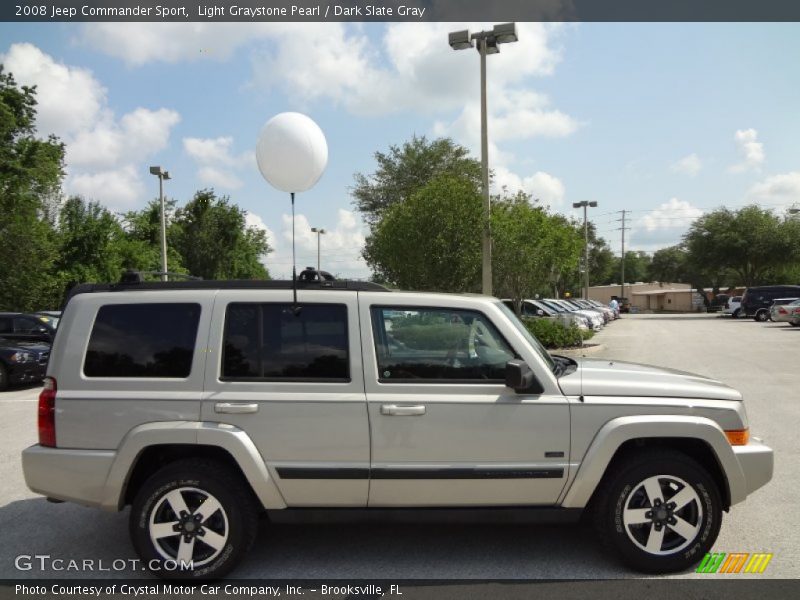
{"x": 535, "y": 344}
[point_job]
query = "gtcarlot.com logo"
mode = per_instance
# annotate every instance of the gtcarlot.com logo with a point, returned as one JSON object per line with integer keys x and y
{"x": 734, "y": 562}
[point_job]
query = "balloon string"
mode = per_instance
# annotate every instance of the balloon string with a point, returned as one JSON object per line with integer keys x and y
{"x": 294, "y": 263}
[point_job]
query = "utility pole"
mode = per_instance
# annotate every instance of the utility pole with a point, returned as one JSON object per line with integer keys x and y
{"x": 585, "y": 204}
{"x": 622, "y": 262}
{"x": 319, "y": 231}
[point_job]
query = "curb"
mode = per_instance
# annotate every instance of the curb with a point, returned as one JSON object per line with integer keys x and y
{"x": 589, "y": 349}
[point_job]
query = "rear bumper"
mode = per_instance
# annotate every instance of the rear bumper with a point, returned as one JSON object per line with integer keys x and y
{"x": 756, "y": 460}
{"x": 73, "y": 475}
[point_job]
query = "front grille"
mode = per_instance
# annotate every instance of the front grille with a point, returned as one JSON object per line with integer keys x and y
{"x": 44, "y": 357}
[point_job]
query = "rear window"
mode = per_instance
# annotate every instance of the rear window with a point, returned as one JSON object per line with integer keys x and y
{"x": 143, "y": 340}
{"x": 271, "y": 342}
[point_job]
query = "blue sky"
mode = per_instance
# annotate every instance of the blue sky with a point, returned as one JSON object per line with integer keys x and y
{"x": 664, "y": 120}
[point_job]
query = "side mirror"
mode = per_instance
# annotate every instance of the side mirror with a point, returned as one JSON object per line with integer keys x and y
{"x": 540, "y": 312}
{"x": 519, "y": 376}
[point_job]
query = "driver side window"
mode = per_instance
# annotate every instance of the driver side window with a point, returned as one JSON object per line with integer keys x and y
{"x": 438, "y": 345}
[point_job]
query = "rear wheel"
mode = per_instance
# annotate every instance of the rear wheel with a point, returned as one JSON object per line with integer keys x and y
{"x": 3, "y": 378}
{"x": 736, "y": 313}
{"x": 193, "y": 519}
{"x": 761, "y": 316}
{"x": 659, "y": 511}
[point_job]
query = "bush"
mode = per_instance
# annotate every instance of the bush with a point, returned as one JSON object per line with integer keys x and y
{"x": 552, "y": 334}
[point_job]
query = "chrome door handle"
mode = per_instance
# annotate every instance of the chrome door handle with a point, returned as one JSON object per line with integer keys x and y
{"x": 402, "y": 411}
{"x": 235, "y": 408}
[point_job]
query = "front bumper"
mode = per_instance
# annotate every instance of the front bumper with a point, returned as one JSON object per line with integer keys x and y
{"x": 73, "y": 475}
{"x": 27, "y": 372}
{"x": 756, "y": 461}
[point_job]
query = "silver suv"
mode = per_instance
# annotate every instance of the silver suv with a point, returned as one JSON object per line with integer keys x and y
{"x": 204, "y": 404}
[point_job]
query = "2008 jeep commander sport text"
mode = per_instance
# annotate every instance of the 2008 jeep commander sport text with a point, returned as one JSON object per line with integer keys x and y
{"x": 202, "y": 404}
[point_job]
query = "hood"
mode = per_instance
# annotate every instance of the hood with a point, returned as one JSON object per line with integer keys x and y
{"x": 599, "y": 377}
{"x": 7, "y": 344}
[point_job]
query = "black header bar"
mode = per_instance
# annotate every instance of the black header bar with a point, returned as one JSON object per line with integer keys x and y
{"x": 400, "y": 10}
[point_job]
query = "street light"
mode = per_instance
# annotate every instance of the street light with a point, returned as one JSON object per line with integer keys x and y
{"x": 585, "y": 204}
{"x": 162, "y": 175}
{"x": 319, "y": 231}
{"x": 487, "y": 44}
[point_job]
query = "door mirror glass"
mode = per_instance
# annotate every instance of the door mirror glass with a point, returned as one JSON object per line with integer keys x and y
{"x": 540, "y": 312}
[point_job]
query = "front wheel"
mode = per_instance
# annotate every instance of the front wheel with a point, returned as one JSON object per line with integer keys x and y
{"x": 736, "y": 313}
{"x": 193, "y": 519}
{"x": 762, "y": 316}
{"x": 660, "y": 511}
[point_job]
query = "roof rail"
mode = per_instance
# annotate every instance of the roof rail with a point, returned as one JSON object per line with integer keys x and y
{"x": 208, "y": 284}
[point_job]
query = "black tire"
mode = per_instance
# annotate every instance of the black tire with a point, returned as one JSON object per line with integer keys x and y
{"x": 761, "y": 316}
{"x": 234, "y": 524}
{"x": 622, "y": 494}
{"x": 3, "y": 378}
{"x": 736, "y": 313}
{"x": 793, "y": 324}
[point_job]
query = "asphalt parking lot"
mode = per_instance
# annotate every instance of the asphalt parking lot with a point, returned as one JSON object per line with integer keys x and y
{"x": 760, "y": 359}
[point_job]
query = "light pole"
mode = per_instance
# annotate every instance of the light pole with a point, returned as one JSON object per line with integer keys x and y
{"x": 319, "y": 231}
{"x": 585, "y": 204}
{"x": 162, "y": 175}
{"x": 487, "y": 44}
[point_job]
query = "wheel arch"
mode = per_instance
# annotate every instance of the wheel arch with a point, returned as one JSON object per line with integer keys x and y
{"x": 148, "y": 447}
{"x": 698, "y": 437}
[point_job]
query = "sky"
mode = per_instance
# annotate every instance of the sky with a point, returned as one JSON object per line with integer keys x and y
{"x": 665, "y": 121}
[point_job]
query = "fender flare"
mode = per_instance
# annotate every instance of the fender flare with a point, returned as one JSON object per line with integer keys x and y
{"x": 623, "y": 429}
{"x": 221, "y": 435}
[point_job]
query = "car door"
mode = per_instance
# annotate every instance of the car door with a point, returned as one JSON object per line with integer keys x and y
{"x": 31, "y": 330}
{"x": 445, "y": 429}
{"x": 292, "y": 380}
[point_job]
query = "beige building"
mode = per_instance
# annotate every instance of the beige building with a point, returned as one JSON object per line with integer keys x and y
{"x": 673, "y": 300}
{"x": 603, "y": 293}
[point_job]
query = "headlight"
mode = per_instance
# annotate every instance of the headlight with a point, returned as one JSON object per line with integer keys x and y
{"x": 21, "y": 357}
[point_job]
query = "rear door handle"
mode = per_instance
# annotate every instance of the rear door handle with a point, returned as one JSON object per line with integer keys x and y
{"x": 235, "y": 408}
{"x": 402, "y": 411}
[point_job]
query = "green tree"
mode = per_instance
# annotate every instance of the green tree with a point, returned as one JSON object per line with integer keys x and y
{"x": 31, "y": 170}
{"x": 404, "y": 170}
{"x": 141, "y": 247}
{"x": 670, "y": 265}
{"x": 89, "y": 242}
{"x": 753, "y": 244}
{"x": 431, "y": 241}
{"x": 530, "y": 247}
{"x": 214, "y": 241}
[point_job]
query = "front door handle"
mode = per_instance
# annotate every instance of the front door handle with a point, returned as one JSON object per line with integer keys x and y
{"x": 402, "y": 411}
{"x": 235, "y": 408}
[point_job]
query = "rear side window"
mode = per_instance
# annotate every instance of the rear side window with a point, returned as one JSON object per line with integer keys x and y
{"x": 269, "y": 342}
{"x": 143, "y": 340}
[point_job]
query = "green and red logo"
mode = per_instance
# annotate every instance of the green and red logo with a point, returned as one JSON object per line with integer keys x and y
{"x": 734, "y": 562}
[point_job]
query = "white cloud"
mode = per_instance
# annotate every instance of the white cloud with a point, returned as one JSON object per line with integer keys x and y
{"x": 781, "y": 190}
{"x": 104, "y": 153}
{"x": 217, "y": 164}
{"x": 675, "y": 214}
{"x": 548, "y": 189}
{"x": 340, "y": 247}
{"x": 688, "y": 165}
{"x": 69, "y": 98}
{"x": 750, "y": 148}
{"x": 141, "y": 43}
{"x": 121, "y": 189}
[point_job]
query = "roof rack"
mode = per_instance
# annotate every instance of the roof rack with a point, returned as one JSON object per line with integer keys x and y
{"x": 244, "y": 284}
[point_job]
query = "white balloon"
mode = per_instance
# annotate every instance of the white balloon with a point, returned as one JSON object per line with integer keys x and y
{"x": 291, "y": 152}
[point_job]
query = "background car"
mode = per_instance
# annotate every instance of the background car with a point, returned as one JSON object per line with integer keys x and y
{"x": 757, "y": 300}
{"x": 595, "y": 320}
{"x": 782, "y": 308}
{"x": 26, "y": 328}
{"x": 51, "y": 317}
{"x": 538, "y": 309}
{"x": 718, "y": 302}
{"x": 733, "y": 306}
{"x": 22, "y": 362}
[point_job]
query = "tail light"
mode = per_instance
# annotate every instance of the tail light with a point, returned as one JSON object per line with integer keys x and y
{"x": 782, "y": 310}
{"x": 47, "y": 413}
